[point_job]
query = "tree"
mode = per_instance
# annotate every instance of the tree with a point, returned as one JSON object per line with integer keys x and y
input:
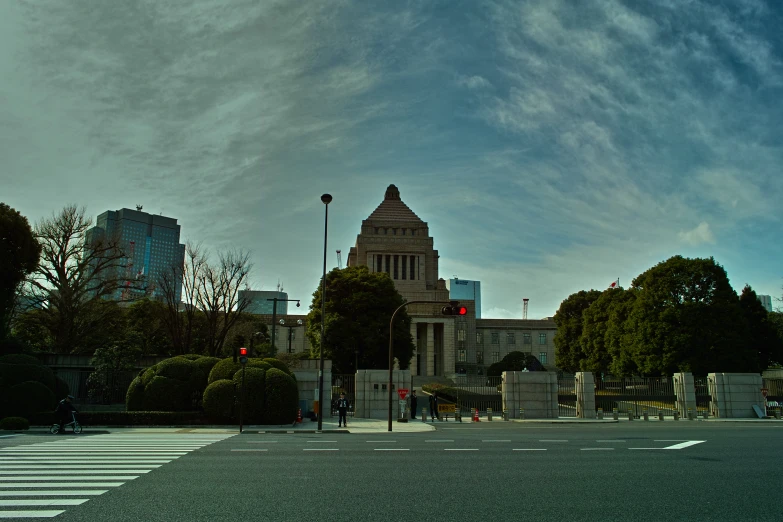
{"x": 686, "y": 317}
{"x": 596, "y": 321}
{"x": 181, "y": 318}
{"x": 619, "y": 336}
{"x": 247, "y": 331}
{"x": 776, "y": 320}
{"x": 145, "y": 323}
{"x": 359, "y": 306}
{"x": 104, "y": 383}
{"x": 763, "y": 335}
{"x": 72, "y": 277}
{"x": 515, "y": 362}
{"x": 568, "y": 318}
{"x": 19, "y": 255}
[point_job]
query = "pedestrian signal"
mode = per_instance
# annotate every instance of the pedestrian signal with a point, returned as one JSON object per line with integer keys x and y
{"x": 243, "y": 355}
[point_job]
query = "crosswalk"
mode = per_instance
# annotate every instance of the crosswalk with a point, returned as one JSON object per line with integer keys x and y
{"x": 41, "y": 480}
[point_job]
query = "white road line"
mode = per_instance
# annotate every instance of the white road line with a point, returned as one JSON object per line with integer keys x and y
{"x": 529, "y": 449}
{"x": 82, "y": 458}
{"x": 321, "y": 449}
{"x": 610, "y": 441}
{"x": 495, "y": 441}
{"x": 264, "y": 449}
{"x": 381, "y": 441}
{"x": 6, "y": 436}
{"x": 61, "y": 484}
{"x": 331, "y": 441}
{"x": 596, "y": 449}
{"x": 553, "y": 440}
{"x": 18, "y": 462}
{"x": 44, "y": 466}
{"x": 392, "y": 449}
{"x": 679, "y": 446}
{"x": 71, "y": 471}
{"x": 46, "y": 502}
{"x": 262, "y": 442}
{"x": 95, "y": 452}
{"x": 40, "y": 513}
{"x": 460, "y": 449}
{"x": 64, "y": 492}
{"x": 439, "y": 440}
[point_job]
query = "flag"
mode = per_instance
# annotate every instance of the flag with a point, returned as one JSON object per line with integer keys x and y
{"x": 615, "y": 284}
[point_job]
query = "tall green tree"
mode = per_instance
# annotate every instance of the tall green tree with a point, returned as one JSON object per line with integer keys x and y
{"x": 687, "y": 318}
{"x": 145, "y": 322}
{"x": 619, "y": 337}
{"x": 359, "y": 306}
{"x": 596, "y": 322}
{"x": 19, "y": 255}
{"x": 763, "y": 336}
{"x": 568, "y": 318}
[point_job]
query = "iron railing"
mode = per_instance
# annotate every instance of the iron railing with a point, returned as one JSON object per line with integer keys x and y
{"x": 566, "y": 396}
{"x": 703, "y": 397}
{"x": 344, "y": 383}
{"x": 106, "y": 388}
{"x": 654, "y": 394}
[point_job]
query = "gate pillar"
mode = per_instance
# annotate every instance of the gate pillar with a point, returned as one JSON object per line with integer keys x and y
{"x": 585, "y": 395}
{"x": 685, "y": 390}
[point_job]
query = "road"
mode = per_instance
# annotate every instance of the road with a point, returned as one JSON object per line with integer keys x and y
{"x": 497, "y": 471}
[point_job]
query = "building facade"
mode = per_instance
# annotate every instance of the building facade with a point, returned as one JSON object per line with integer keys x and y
{"x": 394, "y": 240}
{"x": 260, "y": 301}
{"x": 151, "y": 243}
{"x": 766, "y": 302}
{"x": 462, "y": 289}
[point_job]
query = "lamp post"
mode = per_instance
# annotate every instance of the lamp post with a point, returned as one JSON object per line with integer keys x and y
{"x": 325, "y": 199}
{"x": 391, "y": 348}
{"x": 274, "y": 316}
{"x": 298, "y": 323}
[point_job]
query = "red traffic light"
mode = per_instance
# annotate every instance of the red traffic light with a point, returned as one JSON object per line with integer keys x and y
{"x": 243, "y": 352}
{"x": 461, "y": 310}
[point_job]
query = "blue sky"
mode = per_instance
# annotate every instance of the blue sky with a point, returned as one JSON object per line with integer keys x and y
{"x": 552, "y": 146}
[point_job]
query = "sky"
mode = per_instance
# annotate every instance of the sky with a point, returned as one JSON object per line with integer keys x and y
{"x": 552, "y": 146}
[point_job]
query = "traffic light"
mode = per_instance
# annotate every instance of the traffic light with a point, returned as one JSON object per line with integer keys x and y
{"x": 243, "y": 355}
{"x": 454, "y": 308}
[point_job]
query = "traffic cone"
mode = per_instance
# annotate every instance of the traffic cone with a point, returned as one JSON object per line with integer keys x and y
{"x": 299, "y": 416}
{"x": 475, "y": 416}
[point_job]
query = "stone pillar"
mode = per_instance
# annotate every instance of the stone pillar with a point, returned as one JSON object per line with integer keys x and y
{"x": 536, "y": 392}
{"x": 585, "y": 395}
{"x": 412, "y": 364}
{"x": 430, "y": 349}
{"x": 685, "y": 389}
{"x": 735, "y": 394}
{"x": 372, "y": 393}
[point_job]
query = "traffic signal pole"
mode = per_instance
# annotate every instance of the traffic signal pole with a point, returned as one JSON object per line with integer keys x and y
{"x": 243, "y": 360}
{"x": 453, "y": 309}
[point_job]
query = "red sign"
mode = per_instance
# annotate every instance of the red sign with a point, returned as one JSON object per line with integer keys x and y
{"x": 764, "y": 392}
{"x": 402, "y": 392}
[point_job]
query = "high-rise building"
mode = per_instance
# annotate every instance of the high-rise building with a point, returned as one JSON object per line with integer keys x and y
{"x": 464, "y": 289}
{"x": 260, "y": 304}
{"x": 151, "y": 244}
{"x": 766, "y": 302}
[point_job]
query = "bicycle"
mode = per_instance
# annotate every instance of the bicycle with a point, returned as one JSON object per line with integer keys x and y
{"x": 77, "y": 428}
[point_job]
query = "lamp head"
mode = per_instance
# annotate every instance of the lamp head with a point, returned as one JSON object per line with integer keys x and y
{"x": 299, "y": 322}
{"x": 298, "y": 304}
{"x": 326, "y": 199}
{"x": 281, "y": 321}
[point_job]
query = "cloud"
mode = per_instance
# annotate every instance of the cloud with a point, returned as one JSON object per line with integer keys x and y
{"x": 700, "y": 234}
{"x": 474, "y": 82}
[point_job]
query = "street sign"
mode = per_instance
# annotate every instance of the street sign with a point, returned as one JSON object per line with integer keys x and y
{"x": 402, "y": 392}
{"x": 764, "y": 392}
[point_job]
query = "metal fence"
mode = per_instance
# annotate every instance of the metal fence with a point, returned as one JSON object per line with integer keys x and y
{"x": 774, "y": 397}
{"x": 566, "y": 396}
{"x": 635, "y": 394}
{"x": 474, "y": 392}
{"x": 344, "y": 383}
{"x": 703, "y": 396}
{"x": 106, "y": 389}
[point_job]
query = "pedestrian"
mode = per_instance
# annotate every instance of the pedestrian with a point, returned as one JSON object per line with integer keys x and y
{"x": 342, "y": 409}
{"x": 414, "y": 400}
{"x": 434, "y": 407}
{"x": 63, "y": 412}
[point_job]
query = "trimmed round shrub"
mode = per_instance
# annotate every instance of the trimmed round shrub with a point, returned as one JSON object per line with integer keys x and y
{"x": 226, "y": 368}
{"x": 14, "y": 423}
{"x": 148, "y": 374}
{"x": 175, "y": 368}
{"x": 28, "y": 398}
{"x": 255, "y": 378}
{"x": 19, "y": 358}
{"x": 12, "y": 373}
{"x": 219, "y": 400}
{"x": 164, "y": 394}
{"x": 134, "y": 399}
{"x": 205, "y": 364}
{"x": 61, "y": 388}
{"x": 276, "y": 363}
{"x": 282, "y": 397}
{"x": 191, "y": 356}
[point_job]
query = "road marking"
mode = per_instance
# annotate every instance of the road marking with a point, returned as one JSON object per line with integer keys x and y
{"x": 610, "y": 441}
{"x": 113, "y": 467}
{"x": 321, "y": 449}
{"x": 72, "y": 471}
{"x": 61, "y": 484}
{"x": 596, "y": 449}
{"x": 439, "y": 440}
{"x": 460, "y": 449}
{"x": 384, "y": 441}
{"x": 46, "y": 502}
{"x": 264, "y": 449}
{"x": 65, "y": 462}
{"x": 679, "y": 446}
{"x": 529, "y": 449}
{"x": 495, "y": 441}
{"x": 52, "y": 493}
{"x": 331, "y": 441}
{"x": 6, "y": 436}
{"x": 553, "y": 440}
{"x": 262, "y": 442}
{"x": 392, "y": 449}
{"x": 40, "y": 513}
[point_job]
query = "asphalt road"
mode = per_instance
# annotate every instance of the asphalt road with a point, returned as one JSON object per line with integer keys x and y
{"x": 497, "y": 471}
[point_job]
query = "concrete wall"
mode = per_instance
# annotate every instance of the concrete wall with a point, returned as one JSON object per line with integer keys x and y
{"x": 734, "y": 394}
{"x": 372, "y": 392}
{"x": 536, "y": 392}
{"x": 585, "y": 395}
{"x": 307, "y": 380}
{"x": 685, "y": 390}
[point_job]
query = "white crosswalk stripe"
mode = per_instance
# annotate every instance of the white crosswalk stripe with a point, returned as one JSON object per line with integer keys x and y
{"x": 84, "y": 468}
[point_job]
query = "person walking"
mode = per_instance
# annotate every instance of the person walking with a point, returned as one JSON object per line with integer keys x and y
{"x": 342, "y": 409}
{"x": 63, "y": 412}
{"x": 414, "y": 401}
{"x": 434, "y": 407}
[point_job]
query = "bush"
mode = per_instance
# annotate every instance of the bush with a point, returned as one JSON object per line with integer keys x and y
{"x": 13, "y": 373}
{"x": 19, "y": 358}
{"x": 134, "y": 399}
{"x": 27, "y": 398}
{"x": 205, "y": 364}
{"x": 219, "y": 400}
{"x": 130, "y": 418}
{"x": 226, "y": 368}
{"x": 282, "y": 397}
{"x": 14, "y": 424}
{"x": 255, "y": 378}
{"x": 61, "y": 388}
{"x": 280, "y": 365}
{"x": 164, "y": 394}
{"x": 187, "y": 380}
{"x": 148, "y": 374}
{"x": 175, "y": 368}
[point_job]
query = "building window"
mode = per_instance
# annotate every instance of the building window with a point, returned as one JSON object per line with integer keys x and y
{"x": 403, "y": 231}
{"x": 495, "y": 338}
{"x": 526, "y": 338}
{"x": 396, "y": 262}
{"x": 479, "y": 357}
{"x": 385, "y": 231}
{"x": 495, "y": 357}
{"x": 542, "y": 338}
{"x": 376, "y": 230}
{"x": 413, "y": 267}
{"x": 460, "y": 335}
{"x": 388, "y": 265}
{"x": 479, "y": 338}
{"x": 461, "y": 357}
{"x": 510, "y": 339}
{"x": 542, "y": 357}
{"x": 394, "y": 231}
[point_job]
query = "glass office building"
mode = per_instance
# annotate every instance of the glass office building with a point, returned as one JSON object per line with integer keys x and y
{"x": 260, "y": 304}
{"x": 468, "y": 290}
{"x": 151, "y": 243}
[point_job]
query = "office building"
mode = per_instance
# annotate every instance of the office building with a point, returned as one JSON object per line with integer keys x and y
{"x": 462, "y": 289}
{"x": 766, "y": 302}
{"x": 260, "y": 302}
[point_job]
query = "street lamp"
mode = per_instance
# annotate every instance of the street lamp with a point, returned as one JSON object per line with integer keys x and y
{"x": 325, "y": 199}
{"x": 299, "y": 322}
{"x": 252, "y": 339}
{"x": 274, "y": 316}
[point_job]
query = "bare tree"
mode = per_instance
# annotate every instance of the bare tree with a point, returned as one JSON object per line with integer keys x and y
{"x": 218, "y": 295}
{"x": 180, "y": 322}
{"x": 72, "y": 276}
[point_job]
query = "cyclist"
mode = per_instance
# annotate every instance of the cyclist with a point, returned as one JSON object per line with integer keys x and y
{"x": 63, "y": 411}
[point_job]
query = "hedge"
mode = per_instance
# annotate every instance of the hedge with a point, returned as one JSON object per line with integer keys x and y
{"x": 282, "y": 397}
{"x": 280, "y": 365}
{"x": 27, "y": 398}
{"x": 164, "y": 394}
{"x": 131, "y": 418}
{"x": 226, "y": 368}
{"x": 14, "y": 373}
{"x": 174, "y": 384}
{"x": 134, "y": 399}
{"x": 255, "y": 382}
{"x": 219, "y": 398}
{"x": 14, "y": 423}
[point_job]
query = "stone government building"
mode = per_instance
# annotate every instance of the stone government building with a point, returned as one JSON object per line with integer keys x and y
{"x": 393, "y": 239}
